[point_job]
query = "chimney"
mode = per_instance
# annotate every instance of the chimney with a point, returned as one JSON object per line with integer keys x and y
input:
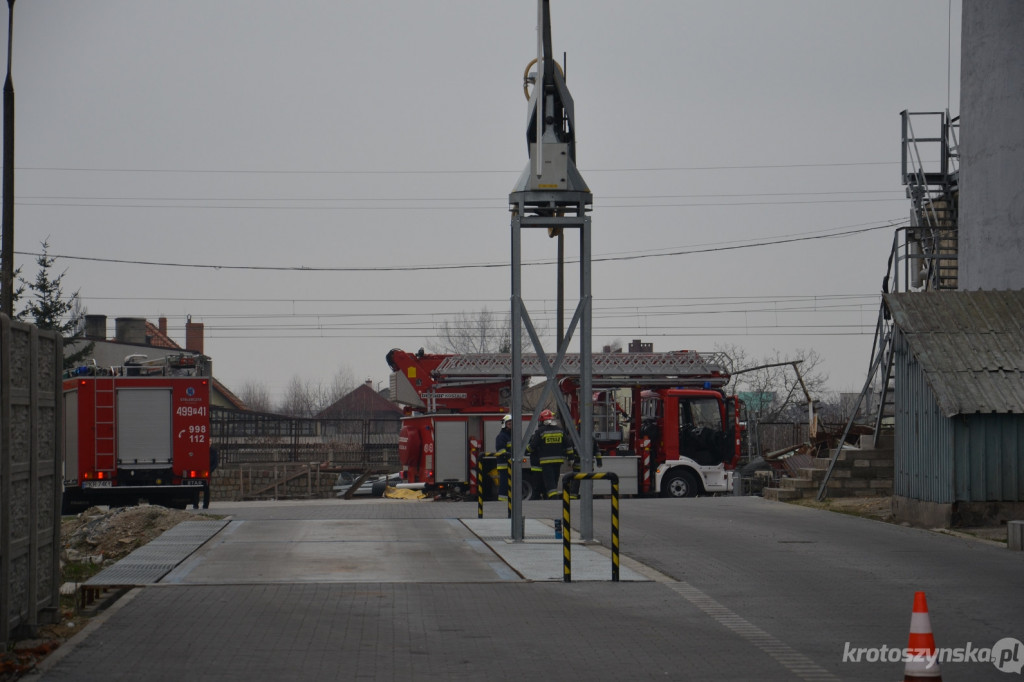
{"x": 96, "y": 327}
{"x": 638, "y": 346}
{"x": 130, "y": 330}
{"x": 369, "y": 382}
{"x": 193, "y": 335}
{"x": 162, "y": 325}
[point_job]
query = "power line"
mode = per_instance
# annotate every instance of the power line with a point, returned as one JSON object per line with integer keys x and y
{"x": 464, "y": 266}
{"x": 710, "y": 299}
{"x": 231, "y": 207}
{"x": 502, "y": 199}
{"x": 241, "y": 171}
{"x": 867, "y": 330}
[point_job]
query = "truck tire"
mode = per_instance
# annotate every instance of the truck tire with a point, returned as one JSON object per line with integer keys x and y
{"x": 527, "y": 490}
{"x": 680, "y": 483}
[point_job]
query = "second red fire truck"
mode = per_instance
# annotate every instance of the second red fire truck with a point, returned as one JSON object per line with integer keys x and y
{"x": 660, "y": 419}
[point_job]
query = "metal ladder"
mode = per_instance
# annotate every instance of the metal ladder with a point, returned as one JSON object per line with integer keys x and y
{"x": 104, "y": 409}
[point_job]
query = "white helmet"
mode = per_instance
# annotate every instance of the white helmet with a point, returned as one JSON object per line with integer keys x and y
{"x": 506, "y": 419}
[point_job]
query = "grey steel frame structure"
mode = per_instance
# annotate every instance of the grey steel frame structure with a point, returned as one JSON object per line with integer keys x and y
{"x": 551, "y": 194}
{"x": 556, "y": 210}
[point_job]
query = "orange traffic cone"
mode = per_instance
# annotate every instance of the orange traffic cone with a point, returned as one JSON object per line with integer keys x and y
{"x": 922, "y": 663}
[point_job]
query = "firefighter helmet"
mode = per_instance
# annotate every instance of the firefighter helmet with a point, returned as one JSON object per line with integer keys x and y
{"x": 547, "y": 415}
{"x": 506, "y": 419}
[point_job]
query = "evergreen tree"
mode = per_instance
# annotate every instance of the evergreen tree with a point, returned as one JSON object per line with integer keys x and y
{"x": 50, "y": 310}
{"x": 19, "y": 291}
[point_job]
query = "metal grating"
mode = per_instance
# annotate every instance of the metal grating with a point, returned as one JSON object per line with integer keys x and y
{"x": 135, "y": 573}
{"x": 189, "y": 531}
{"x": 150, "y": 563}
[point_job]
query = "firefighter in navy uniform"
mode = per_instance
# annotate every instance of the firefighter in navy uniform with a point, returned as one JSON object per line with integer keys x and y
{"x": 549, "y": 448}
{"x": 503, "y": 453}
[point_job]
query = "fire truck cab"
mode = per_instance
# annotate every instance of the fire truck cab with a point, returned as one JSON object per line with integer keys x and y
{"x": 695, "y": 436}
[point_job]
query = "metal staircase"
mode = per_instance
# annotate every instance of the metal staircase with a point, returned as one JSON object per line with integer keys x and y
{"x": 930, "y": 172}
{"x": 923, "y": 255}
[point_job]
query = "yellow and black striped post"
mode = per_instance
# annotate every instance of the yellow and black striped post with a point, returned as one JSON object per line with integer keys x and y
{"x": 479, "y": 487}
{"x": 615, "y": 527}
{"x": 567, "y": 529}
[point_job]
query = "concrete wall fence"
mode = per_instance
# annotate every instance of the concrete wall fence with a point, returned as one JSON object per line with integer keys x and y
{"x": 30, "y": 477}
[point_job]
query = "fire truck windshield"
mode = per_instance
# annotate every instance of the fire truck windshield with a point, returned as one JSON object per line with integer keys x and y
{"x": 700, "y": 413}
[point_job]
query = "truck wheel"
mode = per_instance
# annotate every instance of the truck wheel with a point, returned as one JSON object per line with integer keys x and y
{"x": 527, "y": 490}
{"x": 680, "y": 484}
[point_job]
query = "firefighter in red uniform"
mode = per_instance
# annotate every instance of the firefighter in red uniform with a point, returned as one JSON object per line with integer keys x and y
{"x": 548, "y": 449}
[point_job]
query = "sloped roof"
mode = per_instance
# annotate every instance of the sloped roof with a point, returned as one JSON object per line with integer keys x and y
{"x": 228, "y": 395}
{"x": 158, "y": 339}
{"x": 364, "y": 403}
{"x": 970, "y": 345}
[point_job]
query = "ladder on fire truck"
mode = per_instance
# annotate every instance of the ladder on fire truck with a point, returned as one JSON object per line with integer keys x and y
{"x": 609, "y": 369}
{"x": 104, "y": 410}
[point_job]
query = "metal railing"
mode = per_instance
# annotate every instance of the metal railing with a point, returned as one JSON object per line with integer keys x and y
{"x": 933, "y": 188}
{"x": 253, "y": 437}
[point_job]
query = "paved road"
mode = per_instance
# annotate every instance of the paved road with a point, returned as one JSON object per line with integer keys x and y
{"x": 743, "y": 589}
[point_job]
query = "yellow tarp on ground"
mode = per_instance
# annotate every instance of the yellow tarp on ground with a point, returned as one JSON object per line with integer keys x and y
{"x": 404, "y": 494}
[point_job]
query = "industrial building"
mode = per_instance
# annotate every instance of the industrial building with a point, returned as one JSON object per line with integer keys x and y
{"x": 948, "y": 356}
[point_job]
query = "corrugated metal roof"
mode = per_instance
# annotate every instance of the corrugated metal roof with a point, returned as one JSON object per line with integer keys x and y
{"x": 970, "y": 345}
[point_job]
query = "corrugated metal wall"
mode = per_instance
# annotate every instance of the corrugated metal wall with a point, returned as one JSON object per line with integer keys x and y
{"x": 970, "y": 458}
{"x": 989, "y": 457}
{"x": 923, "y": 456}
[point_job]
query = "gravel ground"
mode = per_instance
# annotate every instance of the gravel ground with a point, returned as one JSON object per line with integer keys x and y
{"x": 880, "y": 509}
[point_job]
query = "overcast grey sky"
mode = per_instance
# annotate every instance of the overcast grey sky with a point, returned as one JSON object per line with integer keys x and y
{"x": 377, "y": 138}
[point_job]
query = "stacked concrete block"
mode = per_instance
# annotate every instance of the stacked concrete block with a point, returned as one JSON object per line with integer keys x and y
{"x": 863, "y": 472}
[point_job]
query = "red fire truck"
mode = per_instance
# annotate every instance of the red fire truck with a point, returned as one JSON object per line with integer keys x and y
{"x": 662, "y": 419}
{"x": 140, "y": 431}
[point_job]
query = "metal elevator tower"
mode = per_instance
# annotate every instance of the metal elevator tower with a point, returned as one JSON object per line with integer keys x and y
{"x": 552, "y": 194}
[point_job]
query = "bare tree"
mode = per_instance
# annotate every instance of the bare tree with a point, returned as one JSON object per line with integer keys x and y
{"x": 467, "y": 332}
{"x": 342, "y": 383}
{"x": 256, "y": 396}
{"x": 307, "y": 398}
{"x": 478, "y": 332}
{"x": 774, "y": 379}
{"x": 299, "y": 398}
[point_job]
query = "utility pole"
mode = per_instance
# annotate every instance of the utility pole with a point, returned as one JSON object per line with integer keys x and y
{"x": 7, "y": 241}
